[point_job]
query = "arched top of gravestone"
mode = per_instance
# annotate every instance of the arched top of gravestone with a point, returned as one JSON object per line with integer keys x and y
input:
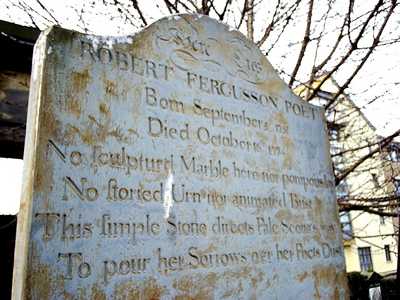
{"x": 200, "y": 44}
{"x": 192, "y": 41}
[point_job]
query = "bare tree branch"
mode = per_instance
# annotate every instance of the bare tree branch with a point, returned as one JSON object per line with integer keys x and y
{"x": 304, "y": 44}
{"x": 270, "y": 26}
{"x": 365, "y": 58}
{"x": 172, "y": 8}
{"x": 386, "y": 141}
{"x": 352, "y": 48}
{"x": 136, "y": 6}
{"x": 250, "y": 20}
{"x": 367, "y": 209}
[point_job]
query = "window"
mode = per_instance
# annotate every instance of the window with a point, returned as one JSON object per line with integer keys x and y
{"x": 394, "y": 156}
{"x": 335, "y": 131}
{"x": 381, "y": 218}
{"x": 345, "y": 223}
{"x": 375, "y": 180}
{"x": 364, "y": 254}
{"x": 394, "y": 153}
{"x": 387, "y": 253}
{"x": 342, "y": 190}
{"x": 396, "y": 183}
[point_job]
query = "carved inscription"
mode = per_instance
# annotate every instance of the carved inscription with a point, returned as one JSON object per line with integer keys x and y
{"x": 178, "y": 154}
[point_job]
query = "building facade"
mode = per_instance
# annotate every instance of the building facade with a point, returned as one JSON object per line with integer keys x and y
{"x": 367, "y": 169}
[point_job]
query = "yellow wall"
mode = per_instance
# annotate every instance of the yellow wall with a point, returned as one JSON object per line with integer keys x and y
{"x": 365, "y": 224}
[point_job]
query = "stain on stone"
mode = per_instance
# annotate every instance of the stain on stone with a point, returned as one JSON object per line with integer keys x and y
{"x": 327, "y": 282}
{"x": 196, "y": 287}
{"x": 74, "y": 107}
{"x": 148, "y": 289}
{"x": 80, "y": 81}
{"x": 111, "y": 88}
{"x": 302, "y": 276}
{"x": 97, "y": 293}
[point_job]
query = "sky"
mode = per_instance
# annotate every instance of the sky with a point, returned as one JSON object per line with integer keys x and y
{"x": 10, "y": 185}
{"x": 381, "y": 71}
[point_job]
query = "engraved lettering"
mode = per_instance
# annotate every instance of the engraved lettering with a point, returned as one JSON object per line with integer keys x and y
{"x": 83, "y": 268}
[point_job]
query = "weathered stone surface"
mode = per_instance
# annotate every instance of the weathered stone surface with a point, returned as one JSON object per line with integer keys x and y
{"x": 174, "y": 164}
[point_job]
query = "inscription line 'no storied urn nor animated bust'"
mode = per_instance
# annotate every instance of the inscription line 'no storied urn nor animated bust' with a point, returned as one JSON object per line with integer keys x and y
{"x": 173, "y": 164}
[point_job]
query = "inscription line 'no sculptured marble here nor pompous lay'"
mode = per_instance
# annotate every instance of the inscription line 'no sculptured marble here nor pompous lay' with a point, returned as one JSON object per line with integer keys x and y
{"x": 173, "y": 164}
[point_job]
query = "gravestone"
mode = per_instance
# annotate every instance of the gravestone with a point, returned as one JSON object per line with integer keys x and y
{"x": 173, "y": 164}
